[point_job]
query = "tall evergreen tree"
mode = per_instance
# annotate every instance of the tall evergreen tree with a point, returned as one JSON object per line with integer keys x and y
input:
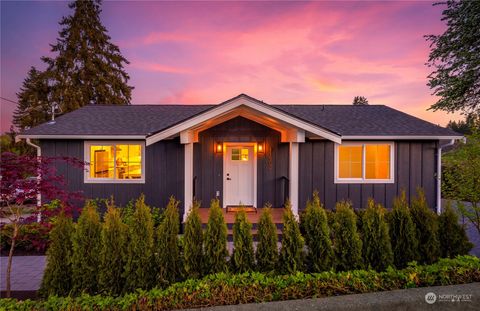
{"x": 243, "y": 256}
{"x": 216, "y": 240}
{"x": 86, "y": 243}
{"x": 377, "y": 248}
{"x": 317, "y": 236}
{"x": 455, "y": 56}
{"x": 403, "y": 233}
{"x": 168, "y": 253}
{"x": 291, "y": 253}
{"x": 33, "y": 100}
{"x": 193, "y": 243}
{"x": 454, "y": 240}
{"x": 57, "y": 278}
{"x": 360, "y": 101}
{"x": 88, "y": 68}
{"x": 426, "y": 223}
{"x": 113, "y": 253}
{"x": 267, "y": 249}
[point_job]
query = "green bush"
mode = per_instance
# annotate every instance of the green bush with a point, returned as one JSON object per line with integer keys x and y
{"x": 254, "y": 287}
{"x": 454, "y": 240}
{"x": 346, "y": 243}
{"x": 215, "y": 240}
{"x": 426, "y": 224}
{"x": 267, "y": 249}
{"x": 86, "y": 241}
{"x": 57, "y": 278}
{"x": 377, "y": 248}
{"x": 242, "y": 257}
{"x": 402, "y": 233}
{"x": 193, "y": 243}
{"x": 291, "y": 253}
{"x": 317, "y": 236}
{"x": 168, "y": 253}
{"x": 139, "y": 269}
{"x": 113, "y": 252}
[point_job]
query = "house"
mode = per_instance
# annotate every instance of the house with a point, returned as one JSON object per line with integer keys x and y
{"x": 245, "y": 151}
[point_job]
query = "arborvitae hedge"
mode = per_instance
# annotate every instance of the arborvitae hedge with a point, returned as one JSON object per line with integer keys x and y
{"x": 347, "y": 243}
{"x": 87, "y": 244}
{"x": 453, "y": 239}
{"x": 57, "y": 278}
{"x": 113, "y": 253}
{"x": 193, "y": 243}
{"x": 377, "y": 248}
{"x": 403, "y": 233}
{"x": 139, "y": 269}
{"x": 267, "y": 249}
{"x": 291, "y": 253}
{"x": 242, "y": 259}
{"x": 216, "y": 240}
{"x": 317, "y": 236}
{"x": 426, "y": 224}
{"x": 168, "y": 254}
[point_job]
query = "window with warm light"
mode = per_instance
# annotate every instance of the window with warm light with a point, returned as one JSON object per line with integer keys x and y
{"x": 364, "y": 163}
{"x": 115, "y": 162}
{"x": 240, "y": 154}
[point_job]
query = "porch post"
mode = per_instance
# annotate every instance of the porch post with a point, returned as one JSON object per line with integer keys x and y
{"x": 188, "y": 196}
{"x": 293, "y": 172}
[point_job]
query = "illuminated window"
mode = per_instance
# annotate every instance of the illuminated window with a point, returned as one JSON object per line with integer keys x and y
{"x": 121, "y": 162}
{"x": 364, "y": 163}
{"x": 239, "y": 154}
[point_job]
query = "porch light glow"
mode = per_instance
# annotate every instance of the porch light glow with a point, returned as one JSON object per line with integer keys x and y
{"x": 260, "y": 148}
{"x": 218, "y": 147}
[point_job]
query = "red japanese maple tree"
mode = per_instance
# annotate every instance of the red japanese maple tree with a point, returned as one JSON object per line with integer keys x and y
{"x": 25, "y": 179}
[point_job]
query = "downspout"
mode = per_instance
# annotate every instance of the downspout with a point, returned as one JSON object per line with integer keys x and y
{"x": 39, "y": 176}
{"x": 439, "y": 174}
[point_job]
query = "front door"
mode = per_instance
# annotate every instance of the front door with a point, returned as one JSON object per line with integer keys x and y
{"x": 239, "y": 175}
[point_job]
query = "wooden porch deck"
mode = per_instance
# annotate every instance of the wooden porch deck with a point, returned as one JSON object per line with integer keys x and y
{"x": 277, "y": 215}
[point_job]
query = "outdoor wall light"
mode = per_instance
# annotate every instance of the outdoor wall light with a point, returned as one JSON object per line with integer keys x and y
{"x": 260, "y": 147}
{"x": 218, "y": 147}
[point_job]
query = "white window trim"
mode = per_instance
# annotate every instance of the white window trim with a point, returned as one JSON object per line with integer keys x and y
{"x": 86, "y": 156}
{"x": 363, "y": 180}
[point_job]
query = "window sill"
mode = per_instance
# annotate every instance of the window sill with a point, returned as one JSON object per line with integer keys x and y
{"x": 114, "y": 181}
{"x": 363, "y": 181}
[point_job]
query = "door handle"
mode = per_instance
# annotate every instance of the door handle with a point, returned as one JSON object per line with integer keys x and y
{"x": 228, "y": 178}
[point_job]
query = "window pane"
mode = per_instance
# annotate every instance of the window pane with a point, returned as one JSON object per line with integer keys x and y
{"x": 101, "y": 161}
{"x": 377, "y": 162}
{"x": 129, "y": 161}
{"x": 235, "y": 154}
{"x": 244, "y": 154}
{"x": 350, "y": 162}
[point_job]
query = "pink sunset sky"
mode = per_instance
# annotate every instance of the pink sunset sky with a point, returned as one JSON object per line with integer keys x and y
{"x": 279, "y": 52}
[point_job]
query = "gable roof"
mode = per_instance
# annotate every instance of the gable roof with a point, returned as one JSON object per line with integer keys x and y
{"x": 142, "y": 121}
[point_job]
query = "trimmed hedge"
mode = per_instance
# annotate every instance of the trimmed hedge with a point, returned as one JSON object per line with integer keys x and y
{"x": 226, "y": 289}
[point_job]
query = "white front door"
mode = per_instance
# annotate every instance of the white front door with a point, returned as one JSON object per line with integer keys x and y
{"x": 239, "y": 175}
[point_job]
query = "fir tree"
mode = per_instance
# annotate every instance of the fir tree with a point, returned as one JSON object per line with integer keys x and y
{"x": 291, "y": 253}
{"x": 360, "y": 101}
{"x": 454, "y": 240}
{"x": 347, "y": 243}
{"x": 88, "y": 68}
{"x": 267, "y": 249}
{"x": 193, "y": 243}
{"x": 139, "y": 270}
{"x": 377, "y": 248}
{"x": 426, "y": 224}
{"x": 317, "y": 236}
{"x": 403, "y": 233}
{"x": 243, "y": 256}
{"x": 57, "y": 278}
{"x": 86, "y": 243}
{"x": 113, "y": 253}
{"x": 216, "y": 240}
{"x": 167, "y": 244}
{"x": 33, "y": 103}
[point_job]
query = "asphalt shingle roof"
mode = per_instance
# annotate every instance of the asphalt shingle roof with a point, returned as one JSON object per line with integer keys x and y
{"x": 345, "y": 120}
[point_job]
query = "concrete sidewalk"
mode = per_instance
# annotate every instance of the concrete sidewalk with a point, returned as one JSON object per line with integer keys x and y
{"x": 27, "y": 272}
{"x": 465, "y": 297}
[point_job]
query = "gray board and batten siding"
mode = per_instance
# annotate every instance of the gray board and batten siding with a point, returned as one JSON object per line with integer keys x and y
{"x": 415, "y": 166}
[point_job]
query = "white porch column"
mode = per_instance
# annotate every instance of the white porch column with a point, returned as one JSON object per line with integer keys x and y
{"x": 188, "y": 197}
{"x": 293, "y": 172}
